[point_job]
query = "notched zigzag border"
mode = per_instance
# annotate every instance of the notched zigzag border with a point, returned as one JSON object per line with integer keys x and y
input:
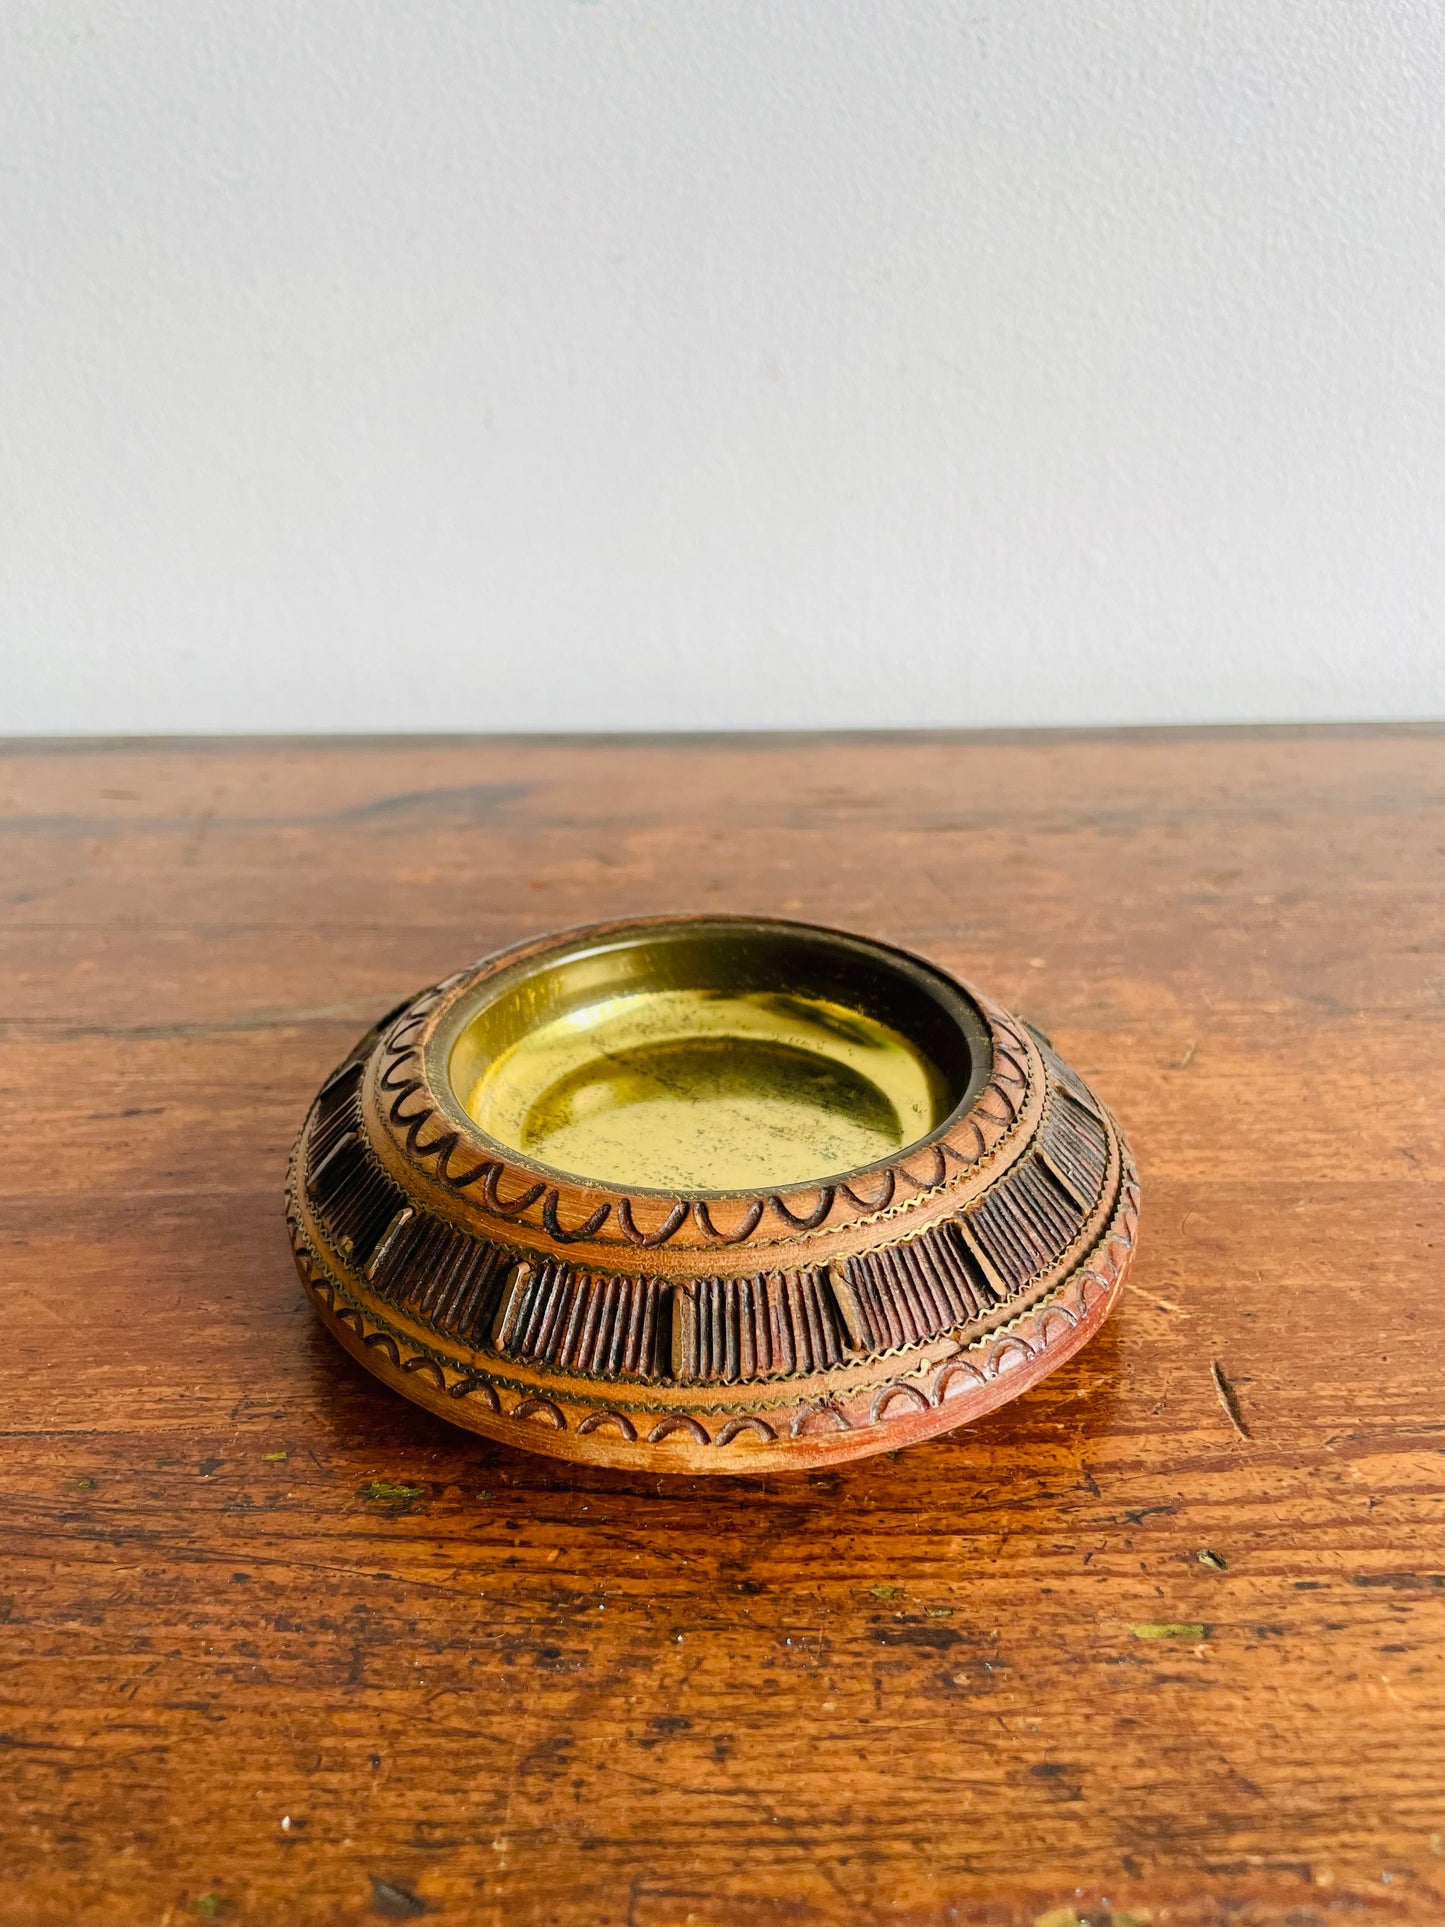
{"x": 1033, "y": 1332}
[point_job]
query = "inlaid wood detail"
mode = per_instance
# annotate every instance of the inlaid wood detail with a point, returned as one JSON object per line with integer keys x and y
{"x": 1075, "y": 1146}
{"x": 608, "y": 1327}
{"x": 1024, "y": 1225}
{"x": 735, "y": 1329}
{"x": 904, "y": 1293}
{"x": 1050, "y": 1327}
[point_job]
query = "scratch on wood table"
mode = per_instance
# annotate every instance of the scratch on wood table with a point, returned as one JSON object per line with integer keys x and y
{"x": 1228, "y": 1399}
{"x": 280, "y": 1647}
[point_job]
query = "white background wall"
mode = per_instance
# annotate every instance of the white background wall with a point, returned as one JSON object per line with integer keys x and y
{"x": 719, "y": 363}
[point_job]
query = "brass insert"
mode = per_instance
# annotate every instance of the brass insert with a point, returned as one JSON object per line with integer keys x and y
{"x": 706, "y": 1059}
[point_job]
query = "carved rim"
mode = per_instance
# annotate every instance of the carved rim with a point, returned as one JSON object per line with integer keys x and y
{"x": 477, "y": 1178}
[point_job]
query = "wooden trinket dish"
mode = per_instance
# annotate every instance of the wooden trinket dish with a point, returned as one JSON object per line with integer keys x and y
{"x": 709, "y": 1194}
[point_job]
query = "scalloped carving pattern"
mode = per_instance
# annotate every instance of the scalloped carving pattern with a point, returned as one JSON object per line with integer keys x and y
{"x": 427, "y": 1139}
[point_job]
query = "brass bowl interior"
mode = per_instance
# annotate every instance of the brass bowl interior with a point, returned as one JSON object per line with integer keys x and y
{"x": 708, "y": 1056}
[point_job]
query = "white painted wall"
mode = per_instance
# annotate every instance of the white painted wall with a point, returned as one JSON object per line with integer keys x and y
{"x": 719, "y": 363}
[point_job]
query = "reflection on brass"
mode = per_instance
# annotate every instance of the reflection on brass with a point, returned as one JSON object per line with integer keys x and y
{"x": 707, "y": 1090}
{"x": 709, "y": 1194}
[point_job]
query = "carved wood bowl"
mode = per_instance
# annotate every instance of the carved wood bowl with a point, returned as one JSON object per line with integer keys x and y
{"x": 709, "y": 1194}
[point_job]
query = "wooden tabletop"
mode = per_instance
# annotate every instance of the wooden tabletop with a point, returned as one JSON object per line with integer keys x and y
{"x": 279, "y": 1647}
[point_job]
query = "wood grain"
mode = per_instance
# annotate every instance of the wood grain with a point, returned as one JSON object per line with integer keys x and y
{"x": 987, "y": 1681}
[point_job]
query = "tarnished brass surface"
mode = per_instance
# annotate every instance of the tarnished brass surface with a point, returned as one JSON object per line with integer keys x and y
{"x": 708, "y": 1090}
{"x": 713, "y": 1056}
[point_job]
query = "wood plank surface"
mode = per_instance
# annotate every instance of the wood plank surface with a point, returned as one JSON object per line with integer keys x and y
{"x": 279, "y": 1647}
